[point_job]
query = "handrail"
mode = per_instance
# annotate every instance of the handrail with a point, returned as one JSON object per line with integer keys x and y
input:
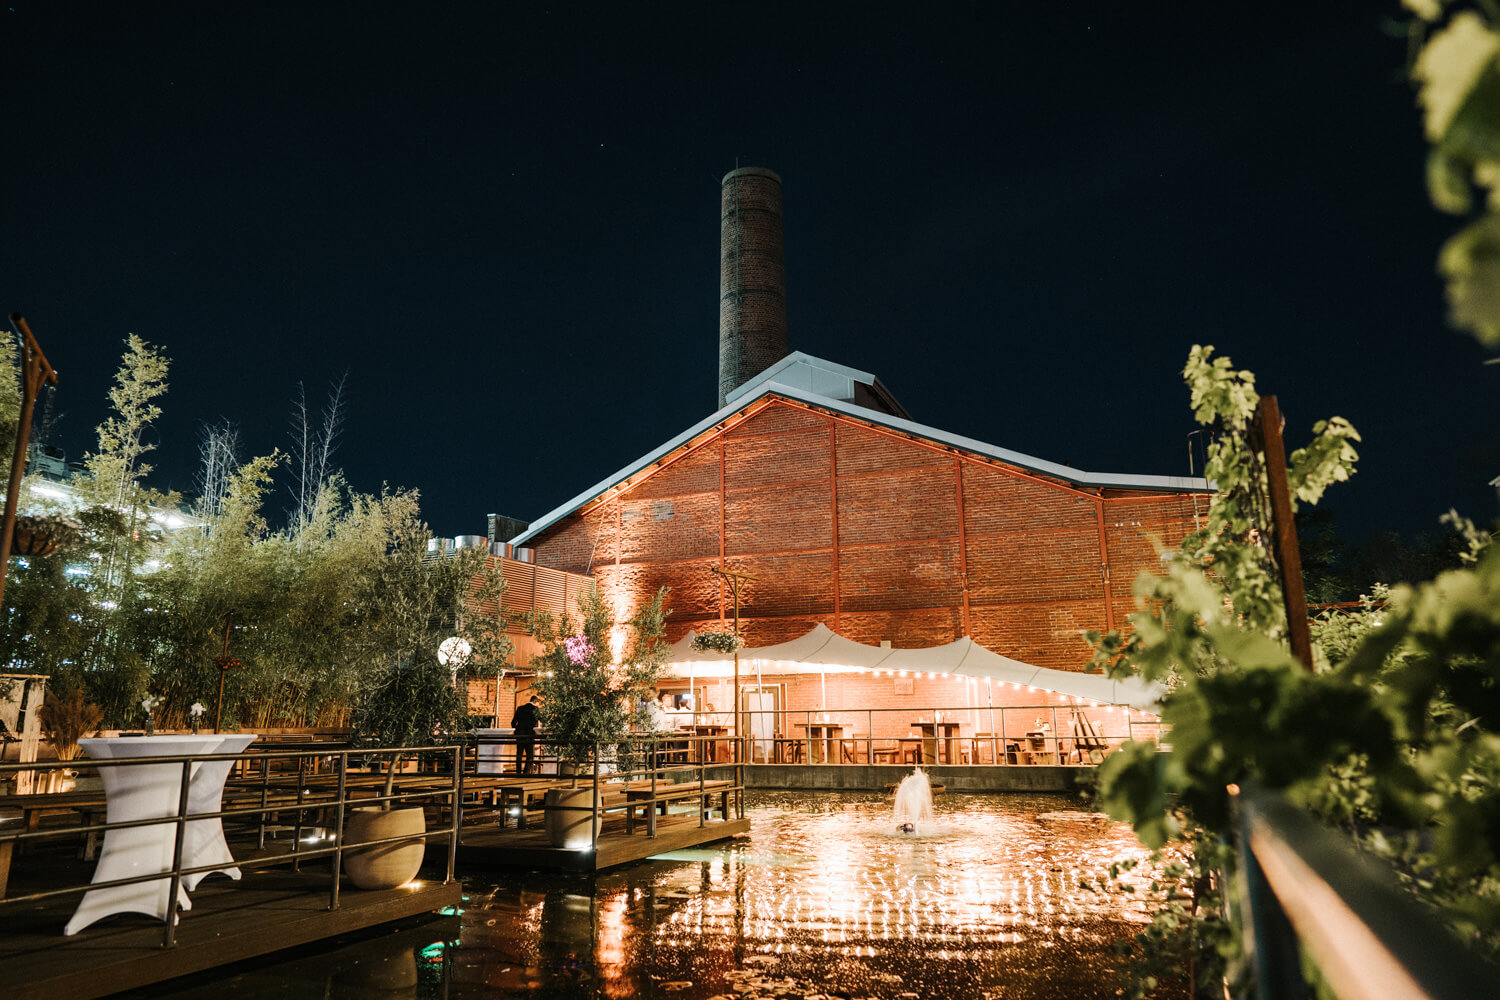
{"x": 1369, "y": 939}
{"x": 613, "y": 767}
{"x": 451, "y": 791}
{"x": 644, "y": 748}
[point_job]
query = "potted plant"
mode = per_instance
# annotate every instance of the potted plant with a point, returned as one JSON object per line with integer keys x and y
{"x": 41, "y": 535}
{"x": 716, "y": 642}
{"x": 411, "y": 699}
{"x": 593, "y": 677}
{"x": 65, "y": 720}
{"x": 408, "y": 705}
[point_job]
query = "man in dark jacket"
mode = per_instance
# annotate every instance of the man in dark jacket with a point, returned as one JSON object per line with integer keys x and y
{"x": 524, "y": 722}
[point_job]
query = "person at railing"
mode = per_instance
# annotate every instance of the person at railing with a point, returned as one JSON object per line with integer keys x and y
{"x": 656, "y": 717}
{"x": 524, "y": 722}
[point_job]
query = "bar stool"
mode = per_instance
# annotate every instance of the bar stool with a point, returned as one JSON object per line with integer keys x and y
{"x": 852, "y": 748}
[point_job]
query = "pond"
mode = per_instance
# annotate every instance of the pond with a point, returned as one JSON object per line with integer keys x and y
{"x": 824, "y": 898}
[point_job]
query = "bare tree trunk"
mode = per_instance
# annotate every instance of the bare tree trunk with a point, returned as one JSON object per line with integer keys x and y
{"x": 313, "y": 450}
{"x": 218, "y": 454}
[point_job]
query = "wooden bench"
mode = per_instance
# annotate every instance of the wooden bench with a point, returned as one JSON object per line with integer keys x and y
{"x": 30, "y": 809}
{"x": 513, "y": 791}
{"x": 641, "y": 796}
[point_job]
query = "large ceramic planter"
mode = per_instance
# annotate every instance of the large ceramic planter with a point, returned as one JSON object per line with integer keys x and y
{"x": 569, "y": 811}
{"x": 393, "y": 864}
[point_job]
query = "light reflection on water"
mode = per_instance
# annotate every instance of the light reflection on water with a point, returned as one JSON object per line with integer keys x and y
{"x": 823, "y": 898}
{"x": 824, "y": 892}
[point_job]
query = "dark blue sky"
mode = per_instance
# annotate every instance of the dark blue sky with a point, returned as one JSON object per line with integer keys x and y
{"x": 502, "y": 220}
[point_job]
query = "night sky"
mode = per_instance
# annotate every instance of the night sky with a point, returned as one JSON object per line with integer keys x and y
{"x": 502, "y": 221}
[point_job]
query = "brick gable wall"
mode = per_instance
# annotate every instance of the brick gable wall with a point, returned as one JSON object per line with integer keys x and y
{"x": 879, "y": 536}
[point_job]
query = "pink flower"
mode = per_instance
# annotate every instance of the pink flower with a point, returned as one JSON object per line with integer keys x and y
{"x": 579, "y": 649}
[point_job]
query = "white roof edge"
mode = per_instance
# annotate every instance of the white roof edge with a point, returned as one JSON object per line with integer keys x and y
{"x": 558, "y": 513}
{"x": 1190, "y": 484}
{"x": 749, "y": 389}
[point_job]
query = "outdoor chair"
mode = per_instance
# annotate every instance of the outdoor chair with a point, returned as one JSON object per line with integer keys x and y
{"x": 985, "y": 748}
{"x": 853, "y": 748}
{"x": 885, "y": 754}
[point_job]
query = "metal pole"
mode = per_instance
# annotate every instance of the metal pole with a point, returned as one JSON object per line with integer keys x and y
{"x": 760, "y": 705}
{"x": 338, "y": 831}
{"x": 35, "y": 369}
{"x": 594, "y": 812}
{"x": 458, "y": 798}
{"x": 176, "y": 886}
{"x": 297, "y": 824}
{"x": 734, "y": 580}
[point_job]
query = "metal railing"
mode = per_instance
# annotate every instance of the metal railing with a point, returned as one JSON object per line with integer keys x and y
{"x": 445, "y": 785}
{"x": 958, "y": 735}
{"x": 647, "y": 771}
{"x": 1306, "y": 888}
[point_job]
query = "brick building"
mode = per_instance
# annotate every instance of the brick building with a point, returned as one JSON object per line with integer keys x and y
{"x": 812, "y": 479}
{"x": 879, "y": 527}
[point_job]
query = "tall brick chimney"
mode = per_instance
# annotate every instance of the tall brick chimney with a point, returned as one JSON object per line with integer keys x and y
{"x": 752, "y": 277}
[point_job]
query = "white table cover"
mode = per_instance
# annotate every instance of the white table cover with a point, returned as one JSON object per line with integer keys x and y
{"x": 150, "y": 791}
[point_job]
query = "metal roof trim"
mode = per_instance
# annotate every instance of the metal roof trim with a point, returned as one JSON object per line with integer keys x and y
{"x": 1078, "y": 477}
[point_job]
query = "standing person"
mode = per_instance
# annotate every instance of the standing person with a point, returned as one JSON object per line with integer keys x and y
{"x": 657, "y": 719}
{"x": 524, "y": 722}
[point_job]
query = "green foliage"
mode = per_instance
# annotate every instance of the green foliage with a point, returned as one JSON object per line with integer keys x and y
{"x": 1190, "y": 939}
{"x": 1234, "y": 540}
{"x": 317, "y": 614}
{"x": 409, "y": 705}
{"x": 1457, "y": 72}
{"x": 1391, "y": 738}
{"x": 1211, "y": 628}
{"x": 112, "y": 474}
{"x": 10, "y": 396}
{"x": 587, "y": 698}
{"x": 719, "y": 642}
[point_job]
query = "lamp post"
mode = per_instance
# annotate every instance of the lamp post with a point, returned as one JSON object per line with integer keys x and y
{"x": 35, "y": 369}
{"x": 734, "y": 585}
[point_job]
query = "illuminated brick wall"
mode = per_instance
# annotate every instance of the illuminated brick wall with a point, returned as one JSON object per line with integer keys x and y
{"x": 880, "y": 536}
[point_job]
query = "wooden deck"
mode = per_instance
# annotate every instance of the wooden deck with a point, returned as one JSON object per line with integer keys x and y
{"x": 229, "y": 922}
{"x": 493, "y": 847}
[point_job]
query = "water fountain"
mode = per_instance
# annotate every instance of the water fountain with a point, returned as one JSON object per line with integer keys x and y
{"x": 913, "y": 802}
{"x": 824, "y": 896}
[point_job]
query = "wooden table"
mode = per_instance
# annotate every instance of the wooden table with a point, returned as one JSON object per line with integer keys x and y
{"x": 912, "y": 744}
{"x": 710, "y": 746}
{"x": 1037, "y": 751}
{"x": 824, "y": 736}
{"x": 939, "y": 741}
{"x": 513, "y": 792}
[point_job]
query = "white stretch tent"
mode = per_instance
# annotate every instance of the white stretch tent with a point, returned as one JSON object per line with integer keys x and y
{"x": 825, "y": 651}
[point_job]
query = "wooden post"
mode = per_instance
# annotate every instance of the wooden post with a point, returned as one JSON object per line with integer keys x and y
{"x": 35, "y": 369}
{"x": 1284, "y": 530}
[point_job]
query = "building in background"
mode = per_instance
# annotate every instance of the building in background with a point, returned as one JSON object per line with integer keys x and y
{"x": 812, "y": 479}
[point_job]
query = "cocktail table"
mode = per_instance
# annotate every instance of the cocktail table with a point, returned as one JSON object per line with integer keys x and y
{"x": 151, "y": 791}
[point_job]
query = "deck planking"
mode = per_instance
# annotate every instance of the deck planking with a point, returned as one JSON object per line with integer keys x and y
{"x": 229, "y": 922}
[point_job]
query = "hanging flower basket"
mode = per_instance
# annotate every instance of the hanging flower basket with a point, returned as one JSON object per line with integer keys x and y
{"x": 41, "y": 536}
{"x": 717, "y": 642}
